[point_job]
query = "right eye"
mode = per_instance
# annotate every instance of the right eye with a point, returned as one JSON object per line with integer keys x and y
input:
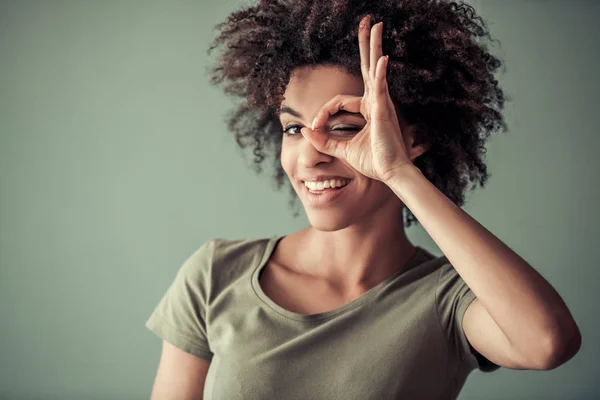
{"x": 286, "y": 131}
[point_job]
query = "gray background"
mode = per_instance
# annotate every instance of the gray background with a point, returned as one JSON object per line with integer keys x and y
{"x": 115, "y": 165}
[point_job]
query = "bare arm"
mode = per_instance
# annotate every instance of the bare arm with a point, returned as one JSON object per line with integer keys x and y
{"x": 180, "y": 375}
{"x": 518, "y": 320}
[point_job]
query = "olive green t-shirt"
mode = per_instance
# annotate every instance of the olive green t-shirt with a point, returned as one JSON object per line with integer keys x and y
{"x": 402, "y": 339}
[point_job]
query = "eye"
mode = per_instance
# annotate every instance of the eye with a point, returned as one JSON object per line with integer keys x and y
{"x": 350, "y": 129}
{"x": 286, "y": 131}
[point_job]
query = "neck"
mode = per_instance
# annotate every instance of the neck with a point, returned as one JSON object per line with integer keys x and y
{"x": 358, "y": 256}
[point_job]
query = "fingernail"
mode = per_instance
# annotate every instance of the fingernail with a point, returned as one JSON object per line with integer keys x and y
{"x": 313, "y": 125}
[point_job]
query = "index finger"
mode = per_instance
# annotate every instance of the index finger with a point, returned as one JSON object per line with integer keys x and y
{"x": 341, "y": 102}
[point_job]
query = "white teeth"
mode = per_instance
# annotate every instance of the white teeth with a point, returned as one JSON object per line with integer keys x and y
{"x": 326, "y": 184}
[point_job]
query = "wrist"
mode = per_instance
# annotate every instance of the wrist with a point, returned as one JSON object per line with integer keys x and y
{"x": 404, "y": 179}
{"x": 397, "y": 175}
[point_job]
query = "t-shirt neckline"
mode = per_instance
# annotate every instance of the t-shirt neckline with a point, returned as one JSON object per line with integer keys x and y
{"x": 269, "y": 247}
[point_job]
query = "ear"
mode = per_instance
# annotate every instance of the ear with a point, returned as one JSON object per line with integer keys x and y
{"x": 414, "y": 150}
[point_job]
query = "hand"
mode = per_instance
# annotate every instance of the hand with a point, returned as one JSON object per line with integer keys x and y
{"x": 378, "y": 150}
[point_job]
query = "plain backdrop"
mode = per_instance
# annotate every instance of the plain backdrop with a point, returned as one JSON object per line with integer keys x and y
{"x": 116, "y": 165}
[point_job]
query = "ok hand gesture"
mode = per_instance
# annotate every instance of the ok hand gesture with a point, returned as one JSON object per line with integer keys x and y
{"x": 378, "y": 150}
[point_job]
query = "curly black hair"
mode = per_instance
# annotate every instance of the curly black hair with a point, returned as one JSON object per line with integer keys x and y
{"x": 440, "y": 76}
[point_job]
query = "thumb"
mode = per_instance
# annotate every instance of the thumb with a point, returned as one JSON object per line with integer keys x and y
{"x": 323, "y": 143}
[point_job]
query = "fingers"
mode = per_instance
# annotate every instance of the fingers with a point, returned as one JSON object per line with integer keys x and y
{"x": 324, "y": 143}
{"x": 364, "y": 30}
{"x": 344, "y": 102}
{"x": 373, "y": 67}
{"x": 380, "y": 76}
{"x": 376, "y": 50}
{"x": 381, "y": 93}
{"x": 370, "y": 48}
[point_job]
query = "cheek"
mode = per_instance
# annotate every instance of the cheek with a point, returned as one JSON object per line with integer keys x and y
{"x": 286, "y": 158}
{"x": 375, "y": 190}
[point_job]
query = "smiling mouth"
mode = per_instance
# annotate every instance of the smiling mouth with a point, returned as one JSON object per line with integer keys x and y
{"x": 326, "y": 186}
{"x": 320, "y": 189}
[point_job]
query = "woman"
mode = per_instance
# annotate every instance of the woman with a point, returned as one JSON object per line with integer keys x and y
{"x": 373, "y": 109}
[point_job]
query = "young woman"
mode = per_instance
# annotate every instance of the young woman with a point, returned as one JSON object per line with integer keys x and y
{"x": 372, "y": 109}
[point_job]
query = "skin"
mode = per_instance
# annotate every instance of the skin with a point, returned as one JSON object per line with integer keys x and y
{"x": 517, "y": 319}
{"x": 360, "y": 240}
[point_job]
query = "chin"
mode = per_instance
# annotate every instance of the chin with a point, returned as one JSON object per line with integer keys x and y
{"x": 328, "y": 221}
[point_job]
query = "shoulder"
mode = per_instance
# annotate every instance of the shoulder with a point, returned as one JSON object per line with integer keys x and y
{"x": 219, "y": 250}
{"x": 441, "y": 278}
{"x": 234, "y": 251}
{"x": 218, "y": 261}
{"x": 427, "y": 265}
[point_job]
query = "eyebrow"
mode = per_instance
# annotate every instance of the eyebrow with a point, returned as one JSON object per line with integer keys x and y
{"x": 291, "y": 111}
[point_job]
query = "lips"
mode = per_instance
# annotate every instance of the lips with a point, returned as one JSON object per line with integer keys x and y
{"x": 325, "y": 197}
{"x": 318, "y": 187}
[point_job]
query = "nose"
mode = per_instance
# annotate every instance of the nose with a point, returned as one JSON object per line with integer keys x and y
{"x": 309, "y": 156}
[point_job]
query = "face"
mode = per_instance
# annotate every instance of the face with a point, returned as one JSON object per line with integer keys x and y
{"x": 362, "y": 198}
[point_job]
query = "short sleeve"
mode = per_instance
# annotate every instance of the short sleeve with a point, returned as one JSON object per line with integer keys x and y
{"x": 180, "y": 316}
{"x": 453, "y": 297}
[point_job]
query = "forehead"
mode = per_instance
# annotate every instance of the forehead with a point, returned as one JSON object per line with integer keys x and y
{"x": 311, "y": 87}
